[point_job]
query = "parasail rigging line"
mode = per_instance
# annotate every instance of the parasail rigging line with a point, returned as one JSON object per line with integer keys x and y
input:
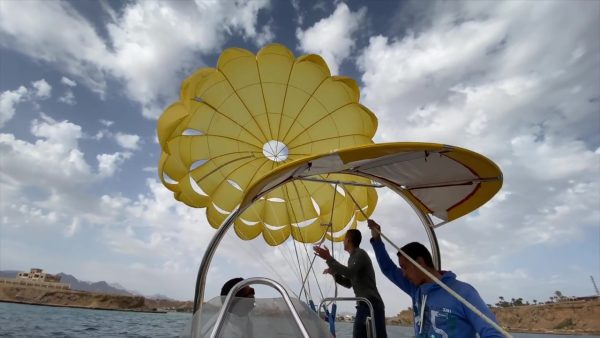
{"x": 299, "y": 263}
{"x": 319, "y": 244}
{"x": 307, "y": 291}
{"x": 253, "y": 253}
{"x": 335, "y": 290}
{"x": 302, "y": 238}
{"x": 305, "y": 263}
{"x": 290, "y": 261}
{"x": 289, "y": 258}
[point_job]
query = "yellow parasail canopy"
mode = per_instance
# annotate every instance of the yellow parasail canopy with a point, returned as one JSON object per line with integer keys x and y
{"x": 256, "y": 113}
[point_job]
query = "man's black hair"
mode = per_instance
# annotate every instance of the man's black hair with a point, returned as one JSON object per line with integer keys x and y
{"x": 229, "y": 285}
{"x": 355, "y": 237}
{"x": 415, "y": 250}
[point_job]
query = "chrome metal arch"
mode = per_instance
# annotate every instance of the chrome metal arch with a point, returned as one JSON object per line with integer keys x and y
{"x": 214, "y": 243}
{"x": 253, "y": 281}
{"x": 371, "y": 331}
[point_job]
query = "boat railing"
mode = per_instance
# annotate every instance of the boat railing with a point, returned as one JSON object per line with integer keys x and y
{"x": 253, "y": 281}
{"x": 371, "y": 333}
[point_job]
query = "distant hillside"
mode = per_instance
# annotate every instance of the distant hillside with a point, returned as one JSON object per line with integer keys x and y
{"x": 100, "y": 287}
{"x": 565, "y": 317}
{"x": 158, "y": 296}
{"x": 121, "y": 287}
{"x": 76, "y": 284}
{"x": 70, "y": 298}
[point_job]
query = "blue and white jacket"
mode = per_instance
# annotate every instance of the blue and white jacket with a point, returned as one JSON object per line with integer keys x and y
{"x": 436, "y": 312}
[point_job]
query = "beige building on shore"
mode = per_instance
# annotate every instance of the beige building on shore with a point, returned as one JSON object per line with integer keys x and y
{"x": 36, "y": 278}
{"x": 38, "y": 275}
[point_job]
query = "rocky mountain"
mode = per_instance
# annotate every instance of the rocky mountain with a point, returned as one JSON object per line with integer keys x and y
{"x": 100, "y": 287}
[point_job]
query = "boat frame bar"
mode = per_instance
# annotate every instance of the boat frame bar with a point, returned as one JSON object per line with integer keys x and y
{"x": 253, "y": 281}
{"x": 371, "y": 332}
{"x": 426, "y": 221}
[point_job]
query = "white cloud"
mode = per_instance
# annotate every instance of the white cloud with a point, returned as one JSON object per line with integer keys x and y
{"x": 128, "y": 141}
{"x": 496, "y": 78}
{"x": 48, "y": 189}
{"x": 100, "y": 135}
{"x": 55, "y": 168}
{"x": 66, "y": 81}
{"x": 68, "y": 97}
{"x": 109, "y": 163}
{"x": 73, "y": 227}
{"x": 331, "y": 37}
{"x": 106, "y": 123}
{"x": 42, "y": 89}
{"x": 265, "y": 36}
{"x": 156, "y": 222}
{"x": 72, "y": 43}
{"x": 52, "y": 165}
{"x": 499, "y": 78}
{"x": 151, "y": 42}
{"x": 62, "y": 136}
{"x": 8, "y": 101}
{"x": 555, "y": 158}
{"x": 298, "y": 11}
{"x": 157, "y": 234}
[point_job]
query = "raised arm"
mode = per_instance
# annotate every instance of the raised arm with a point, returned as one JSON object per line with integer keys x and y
{"x": 359, "y": 261}
{"x": 387, "y": 266}
{"x": 343, "y": 281}
{"x": 341, "y": 274}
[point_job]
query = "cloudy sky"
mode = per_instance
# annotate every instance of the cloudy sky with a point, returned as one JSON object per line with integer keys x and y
{"x": 83, "y": 82}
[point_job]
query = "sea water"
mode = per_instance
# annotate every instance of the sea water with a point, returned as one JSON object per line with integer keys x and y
{"x": 19, "y": 320}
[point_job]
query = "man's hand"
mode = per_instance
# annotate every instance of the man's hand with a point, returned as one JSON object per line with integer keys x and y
{"x": 326, "y": 271}
{"x": 322, "y": 252}
{"x": 375, "y": 229}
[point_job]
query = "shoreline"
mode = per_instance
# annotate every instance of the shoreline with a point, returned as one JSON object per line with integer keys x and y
{"x": 80, "y": 307}
{"x": 573, "y": 331}
{"x": 532, "y": 331}
{"x": 574, "y": 318}
{"x": 554, "y": 332}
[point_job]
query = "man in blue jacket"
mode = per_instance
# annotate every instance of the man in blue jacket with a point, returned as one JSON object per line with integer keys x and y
{"x": 436, "y": 312}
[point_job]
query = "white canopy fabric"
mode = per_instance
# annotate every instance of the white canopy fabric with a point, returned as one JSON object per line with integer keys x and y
{"x": 444, "y": 181}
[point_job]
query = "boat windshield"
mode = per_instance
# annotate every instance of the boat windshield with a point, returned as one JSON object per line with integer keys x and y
{"x": 260, "y": 317}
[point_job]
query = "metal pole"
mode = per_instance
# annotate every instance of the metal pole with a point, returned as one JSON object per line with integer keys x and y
{"x": 357, "y": 299}
{"x": 263, "y": 281}
{"x": 205, "y": 264}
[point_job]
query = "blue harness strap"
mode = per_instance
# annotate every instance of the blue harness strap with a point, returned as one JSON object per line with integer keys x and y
{"x": 331, "y": 317}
